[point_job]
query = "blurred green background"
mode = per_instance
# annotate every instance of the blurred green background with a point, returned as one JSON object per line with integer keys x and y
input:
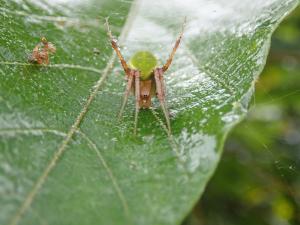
{"x": 258, "y": 179}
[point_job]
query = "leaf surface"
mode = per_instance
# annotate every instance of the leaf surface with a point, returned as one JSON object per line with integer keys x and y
{"x": 64, "y": 157}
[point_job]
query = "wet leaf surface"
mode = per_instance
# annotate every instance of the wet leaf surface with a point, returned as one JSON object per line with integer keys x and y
{"x": 65, "y": 159}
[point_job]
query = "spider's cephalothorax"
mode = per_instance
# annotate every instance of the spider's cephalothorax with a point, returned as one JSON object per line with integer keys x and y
{"x": 145, "y": 77}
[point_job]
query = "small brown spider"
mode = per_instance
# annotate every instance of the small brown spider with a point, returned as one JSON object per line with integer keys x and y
{"x": 145, "y": 78}
{"x": 40, "y": 53}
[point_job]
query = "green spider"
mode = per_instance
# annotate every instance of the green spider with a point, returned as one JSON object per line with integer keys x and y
{"x": 145, "y": 78}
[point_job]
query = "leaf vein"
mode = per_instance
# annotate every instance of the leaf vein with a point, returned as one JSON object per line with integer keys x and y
{"x": 109, "y": 172}
{"x": 9, "y": 131}
{"x": 60, "y": 66}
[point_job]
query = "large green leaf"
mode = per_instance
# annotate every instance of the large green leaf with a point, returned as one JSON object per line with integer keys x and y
{"x": 64, "y": 158}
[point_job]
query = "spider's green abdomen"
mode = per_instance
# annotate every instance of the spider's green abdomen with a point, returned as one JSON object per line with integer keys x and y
{"x": 145, "y": 62}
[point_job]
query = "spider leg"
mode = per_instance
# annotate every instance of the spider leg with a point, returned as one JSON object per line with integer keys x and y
{"x": 43, "y": 56}
{"x": 35, "y": 51}
{"x": 169, "y": 61}
{"x": 137, "y": 98}
{"x": 127, "y": 92}
{"x": 51, "y": 47}
{"x": 34, "y": 57}
{"x": 46, "y": 58}
{"x": 160, "y": 89}
{"x": 115, "y": 46}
